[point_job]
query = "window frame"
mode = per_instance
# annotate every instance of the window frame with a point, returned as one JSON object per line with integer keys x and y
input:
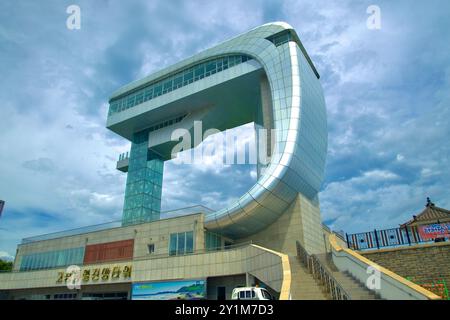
{"x": 181, "y": 238}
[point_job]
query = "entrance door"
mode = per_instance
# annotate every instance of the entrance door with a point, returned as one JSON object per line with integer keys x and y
{"x": 221, "y": 293}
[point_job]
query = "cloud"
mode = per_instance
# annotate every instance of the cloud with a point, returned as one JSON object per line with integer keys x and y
{"x": 386, "y": 92}
{"x": 39, "y": 165}
{"x": 6, "y": 256}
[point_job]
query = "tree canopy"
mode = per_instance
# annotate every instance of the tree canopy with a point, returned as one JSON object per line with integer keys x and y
{"x": 5, "y": 265}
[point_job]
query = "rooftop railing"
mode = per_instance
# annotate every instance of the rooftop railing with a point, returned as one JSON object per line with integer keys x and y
{"x": 124, "y": 156}
{"x": 115, "y": 224}
{"x": 149, "y": 256}
{"x": 377, "y": 239}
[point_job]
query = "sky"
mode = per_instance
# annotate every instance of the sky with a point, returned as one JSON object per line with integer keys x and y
{"x": 387, "y": 94}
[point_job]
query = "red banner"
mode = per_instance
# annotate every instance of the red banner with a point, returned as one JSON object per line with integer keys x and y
{"x": 110, "y": 251}
{"x": 433, "y": 231}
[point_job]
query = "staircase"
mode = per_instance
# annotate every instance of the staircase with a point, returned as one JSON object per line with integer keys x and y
{"x": 303, "y": 285}
{"x": 355, "y": 289}
{"x": 326, "y": 282}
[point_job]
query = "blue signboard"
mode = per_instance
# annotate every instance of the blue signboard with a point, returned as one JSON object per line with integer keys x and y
{"x": 170, "y": 290}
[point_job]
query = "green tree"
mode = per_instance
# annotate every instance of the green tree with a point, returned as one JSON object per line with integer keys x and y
{"x": 5, "y": 265}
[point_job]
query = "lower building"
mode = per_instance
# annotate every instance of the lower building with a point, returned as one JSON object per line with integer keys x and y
{"x": 179, "y": 258}
{"x": 118, "y": 262}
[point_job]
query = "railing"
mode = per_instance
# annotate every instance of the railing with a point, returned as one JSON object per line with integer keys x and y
{"x": 124, "y": 156}
{"x": 144, "y": 257}
{"x": 321, "y": 274}
{"x": 377, "y": 239}
{"x": 115, "y": 224}
{"x": 304, "y": 257}
{"x": 340, "y": 235}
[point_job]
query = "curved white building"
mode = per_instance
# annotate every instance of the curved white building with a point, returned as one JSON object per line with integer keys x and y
{"x": 263, "y": 76}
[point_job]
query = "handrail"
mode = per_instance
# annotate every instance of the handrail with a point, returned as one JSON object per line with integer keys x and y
{"x": 285, "y": 292}
{"x": 304, "y": 256}
{"x": 321, "y": 274}
{"x": 340, "y": 236}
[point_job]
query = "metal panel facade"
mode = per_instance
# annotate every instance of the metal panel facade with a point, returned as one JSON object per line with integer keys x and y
{"x": 110, "y": 251}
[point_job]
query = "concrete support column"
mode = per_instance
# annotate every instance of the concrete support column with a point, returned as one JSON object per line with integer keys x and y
{"x": 249, "y": 280}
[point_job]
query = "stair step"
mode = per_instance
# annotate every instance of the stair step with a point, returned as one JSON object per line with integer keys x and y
{"x": 305, "y": 286}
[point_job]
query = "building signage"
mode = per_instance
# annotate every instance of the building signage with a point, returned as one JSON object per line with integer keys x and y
{"x": 433, "y": 231}
{"x": 170, "y": 290}
{"x": 98, "y": 274}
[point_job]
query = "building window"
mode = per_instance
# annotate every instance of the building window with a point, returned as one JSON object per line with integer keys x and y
{"x": 65, "y": 296}
{"x": 181, "y": 243}
{"x": 151, "y": 248}
{"x": 52, "y": 259}
{"x": 189, "y": 242}
{"x": 178, "y": 80}
{"x": 281, "y": 38}
{"x": 173, "y": 244}
{"x": 213, "y": 241}
{"x": 105, "y": 296}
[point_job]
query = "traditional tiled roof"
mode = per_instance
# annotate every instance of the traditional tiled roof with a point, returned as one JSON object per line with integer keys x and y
{"x": 431, "y": 214}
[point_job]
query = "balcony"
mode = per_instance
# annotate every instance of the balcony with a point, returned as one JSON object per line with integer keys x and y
{"x": 122, "y": 164}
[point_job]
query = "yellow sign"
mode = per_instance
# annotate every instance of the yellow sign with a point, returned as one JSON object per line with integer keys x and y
{"x": 96, "y": 274}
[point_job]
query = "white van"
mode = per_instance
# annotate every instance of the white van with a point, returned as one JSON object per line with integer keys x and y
{"x": 251, "y": 293}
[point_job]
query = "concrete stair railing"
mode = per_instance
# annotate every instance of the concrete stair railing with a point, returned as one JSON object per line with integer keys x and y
{"x": 326, "y": 277}
{"x": 386, "y": 284}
